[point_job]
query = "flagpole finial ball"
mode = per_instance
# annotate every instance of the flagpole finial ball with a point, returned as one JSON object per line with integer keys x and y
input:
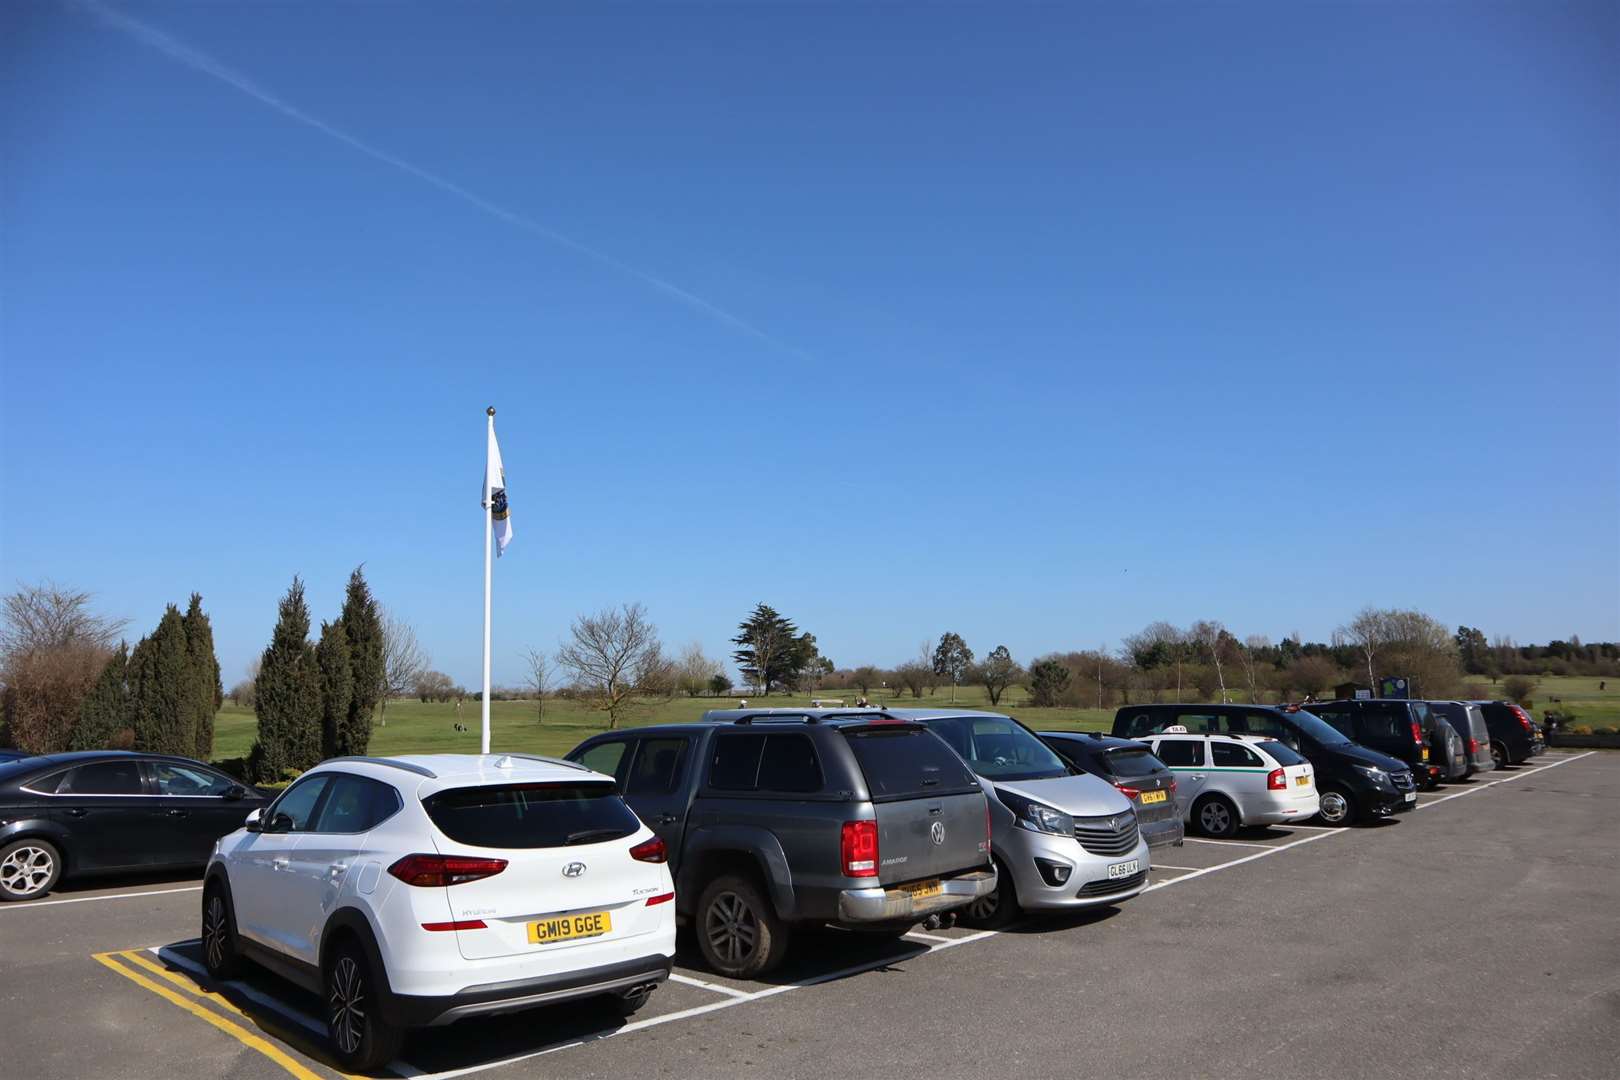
{"x": 492, "y": 410}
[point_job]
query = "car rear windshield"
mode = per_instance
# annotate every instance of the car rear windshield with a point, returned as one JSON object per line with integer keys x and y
{"x": 532, "y": 815}
{"x": 907, "y": 763}
{"x": 1131, "y": 763}
{"x": 1282, "y": 753}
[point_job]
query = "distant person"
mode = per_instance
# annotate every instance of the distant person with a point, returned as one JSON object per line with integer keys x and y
{"x": 862, "y": 703}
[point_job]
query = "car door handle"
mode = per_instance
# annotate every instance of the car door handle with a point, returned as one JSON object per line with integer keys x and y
{"x": 279, "y": 863}
{"x": 667, "y": 819}
{"x": 179, "y": 813}
{"x": 1197, "y": 776}
{"x": 76, "y": 811}
{"x": 337, "y": 870}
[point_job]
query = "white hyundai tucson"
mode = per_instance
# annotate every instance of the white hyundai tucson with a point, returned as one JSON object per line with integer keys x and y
{"x": 416, "y": 891}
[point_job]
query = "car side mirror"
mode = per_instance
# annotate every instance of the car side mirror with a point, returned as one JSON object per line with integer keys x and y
{"x": 236, "y": 792}
{"x": 253, "y": 822}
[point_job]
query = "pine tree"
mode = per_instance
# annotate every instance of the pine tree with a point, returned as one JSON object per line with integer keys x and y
{"x": 362, "y": 623}
{"x": 105, "y": 713}
{"x": 204, "y": 692}
{"x": 287, "y": 699}
{"x": 163, "y": 720}
{"x": 337, "y": 690}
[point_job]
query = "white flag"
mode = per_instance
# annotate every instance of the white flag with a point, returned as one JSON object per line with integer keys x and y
{"x": 495, "y": 494}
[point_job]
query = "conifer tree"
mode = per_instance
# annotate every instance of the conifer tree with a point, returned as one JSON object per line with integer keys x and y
{"x": 204, "y": 692}
{"x": 362, "y": 623}
{"x": 105, "y": 713}
{"x": 287, "y": 699}
{"x": 337, "y": 690}
{"x": 163, "y": 720}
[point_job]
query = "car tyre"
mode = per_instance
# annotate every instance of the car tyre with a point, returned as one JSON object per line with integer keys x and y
{"x": 1337, "y": 807}
{"x": 1499, "y": 755}
{"x": 996, "y": 910}
{"x": 361, "y": 1039}
{"x": 29, "y": 869}
{"x": 1216, "y": 816}
{"x": 738, "y": 930}
{"x": 221, "y": 954}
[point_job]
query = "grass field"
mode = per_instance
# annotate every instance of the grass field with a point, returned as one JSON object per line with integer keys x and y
{"x": 414, "y": 727}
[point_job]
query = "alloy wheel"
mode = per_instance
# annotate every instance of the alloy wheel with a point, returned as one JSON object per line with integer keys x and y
{"x": 26, "y": 870}
{"x": 1215, "y": 818}
{"x": 985, "y": 906}
{"x": 346, "y": 1002}
{"x": 731, "y": 927}
{"x": 214, "y": 931}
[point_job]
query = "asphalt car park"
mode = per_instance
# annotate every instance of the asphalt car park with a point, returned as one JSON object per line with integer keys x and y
{"x": 1293, "y": 948}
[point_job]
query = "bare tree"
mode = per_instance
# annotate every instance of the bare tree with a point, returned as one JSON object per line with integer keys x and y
{"x": 615, "y": 655}
{"x": 404, "y": 661}
{"x": 1211, "y": 636}
{"x": 695, "y": 670}
{"x": 1250, "y": 658}
{"x": 37, "y": 618}
{"x": 539, "y": 669}
{"x": 1366, "y": 633}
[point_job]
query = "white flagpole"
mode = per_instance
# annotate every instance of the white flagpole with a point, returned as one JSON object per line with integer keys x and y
{"x": 489, "y": 542}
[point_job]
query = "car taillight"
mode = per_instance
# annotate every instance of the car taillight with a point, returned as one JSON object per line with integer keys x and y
{"x": 653, "y": 850}
{"x": 1524, "y": 718}
{"x": 1417, "y": 733}
{"x": 428, "y": 871}
{"x": 661, "y": 898}
{"x": 988, "y": 832}
{"x": 1276, "y": 780}
{"x": 1172, "y": 785}
{"x": 859, "y": 848}
{"x": 1128, "y": 791}
{"x": 1473, "y": 746}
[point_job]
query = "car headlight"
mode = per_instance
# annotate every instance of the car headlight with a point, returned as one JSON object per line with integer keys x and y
{"x": 1037, "y": 817}
{"x": 1373, "y": 773}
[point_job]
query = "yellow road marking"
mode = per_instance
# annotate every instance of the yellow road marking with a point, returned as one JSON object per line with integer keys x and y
{"x": 191, "y": 987}
{"x": 234, "y": 1030}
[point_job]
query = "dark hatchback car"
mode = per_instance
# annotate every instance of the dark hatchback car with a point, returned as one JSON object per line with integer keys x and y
{"x": 1132, "y": 768}
{"x": 1398, "y": 727}
{"x": 108, "y": 811}
{"x": 1515, "y": 738}
{"x": 1356, "y": 783}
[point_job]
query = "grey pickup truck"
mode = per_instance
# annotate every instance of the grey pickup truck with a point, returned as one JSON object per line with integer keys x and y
{"x": 775, "y": 818}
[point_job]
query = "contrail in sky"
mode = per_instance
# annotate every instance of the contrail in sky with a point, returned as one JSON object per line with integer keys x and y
{"x": 192, "y": 58}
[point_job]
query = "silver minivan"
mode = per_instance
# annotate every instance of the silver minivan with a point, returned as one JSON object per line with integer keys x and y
{"x": 1062, "y": 839}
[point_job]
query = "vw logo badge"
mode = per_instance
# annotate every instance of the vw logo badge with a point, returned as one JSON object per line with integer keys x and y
{"x": 937, "y": 831}
{"x": 574, "y": 869}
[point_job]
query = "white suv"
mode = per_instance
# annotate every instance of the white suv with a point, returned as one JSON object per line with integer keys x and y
{"x": 1228, "y": 781}
{"x": 416, "y": 891}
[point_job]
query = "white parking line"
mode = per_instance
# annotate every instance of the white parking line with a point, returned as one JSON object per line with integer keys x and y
{"x": 699, "y": 1010}
{"x": 88, "y": 899}
{"x": 167, "y": 954}
{"x": 1523, "y": 772}
{"x": 1266, "y": 849}
{"x": 1167, "y": 866}
{"x": 927, "y": 937}
{"x": 687, "y": 980}
{"x": 1226, "y": 843}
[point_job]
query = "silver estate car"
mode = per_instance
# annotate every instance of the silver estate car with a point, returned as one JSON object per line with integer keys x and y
{"x": 1062, "y": 839}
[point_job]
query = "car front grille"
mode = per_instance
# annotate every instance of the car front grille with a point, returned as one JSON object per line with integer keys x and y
{"x": 1117, "y": 885}
{"x": 1402, "y": 780}
{"x": 1113, "y": 835}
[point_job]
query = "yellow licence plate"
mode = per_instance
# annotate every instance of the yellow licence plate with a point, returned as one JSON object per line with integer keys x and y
{"x": 921, "y": 890}
{"x": 1154, "y": 796}
{"x": 1425, "y": 753}
{"x": 563, "y": 927}
{"x": 1302, "y": 781}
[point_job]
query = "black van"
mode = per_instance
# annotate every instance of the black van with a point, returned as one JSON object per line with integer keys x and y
{"x": 1514, "y": 736}
{"x": 1356, "y": 783}
{"x": 1393, "y": 726}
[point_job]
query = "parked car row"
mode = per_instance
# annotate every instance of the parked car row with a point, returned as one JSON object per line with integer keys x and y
{"x": 419, "y": 890}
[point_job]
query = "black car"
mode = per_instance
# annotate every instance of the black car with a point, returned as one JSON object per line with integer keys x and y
{"x": 1356, "y": 783}
{"x": 1394, "y": 726}
{"x": 8, "y": 754}
{"x": 110, "y": 810}
{"x": 1515, "y": 738}
{"x": 1132, "y": 768}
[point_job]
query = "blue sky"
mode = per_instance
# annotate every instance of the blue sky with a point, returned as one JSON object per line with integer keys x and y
{"x": 1034, "y": 323}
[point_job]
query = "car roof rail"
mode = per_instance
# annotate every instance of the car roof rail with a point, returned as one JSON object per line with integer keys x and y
{"x": 548, "y": 760}
{"x": 780, "y": 718}
{"x": 394, "y": 763}
{"x": 1095, "y": 734}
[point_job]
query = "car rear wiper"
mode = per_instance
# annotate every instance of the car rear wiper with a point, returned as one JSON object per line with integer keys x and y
{"x": 585, "y": 835}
